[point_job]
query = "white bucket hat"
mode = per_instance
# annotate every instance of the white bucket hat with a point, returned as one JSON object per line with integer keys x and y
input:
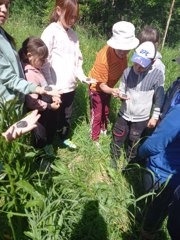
{"x": 144, "y": 54}
{"x": 123, "y": 37}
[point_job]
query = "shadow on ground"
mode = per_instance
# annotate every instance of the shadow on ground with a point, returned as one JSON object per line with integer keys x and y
{"x": 92, "y": 225}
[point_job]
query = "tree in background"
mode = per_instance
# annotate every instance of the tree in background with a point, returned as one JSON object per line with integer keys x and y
{"x": 98, "y": 16}
{"x": 104, "y": 13}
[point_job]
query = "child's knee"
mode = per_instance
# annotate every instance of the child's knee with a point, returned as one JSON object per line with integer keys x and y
{"x": 134, "y": 135}
{"x": 119, "y": 133}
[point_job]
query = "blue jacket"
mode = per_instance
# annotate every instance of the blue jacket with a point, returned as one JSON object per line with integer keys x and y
{"x": 162, "y": 148}
{"x": 171, "y": 92}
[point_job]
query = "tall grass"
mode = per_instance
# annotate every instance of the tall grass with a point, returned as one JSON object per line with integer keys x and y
{"x": 76, "y": 195}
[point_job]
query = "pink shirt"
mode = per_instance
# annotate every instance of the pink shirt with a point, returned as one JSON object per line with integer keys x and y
{"x": 65, "y": 60}
{"x": 34, "y": 75}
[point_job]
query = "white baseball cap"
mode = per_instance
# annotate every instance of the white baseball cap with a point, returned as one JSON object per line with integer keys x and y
{"x": 123, "y": 37}
{"x": 144, "y": 54}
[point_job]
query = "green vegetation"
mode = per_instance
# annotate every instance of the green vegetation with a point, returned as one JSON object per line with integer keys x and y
{"x": 77, "y": 195}
{"x": 99, "y": 15}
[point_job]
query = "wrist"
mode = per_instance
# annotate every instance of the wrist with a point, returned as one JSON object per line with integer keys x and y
{"x": 38, "y": 90}
{"x": 41, "y": 91}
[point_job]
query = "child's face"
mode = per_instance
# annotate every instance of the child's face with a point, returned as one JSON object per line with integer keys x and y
{"x": 139, "y": 69}
{"x": 67, "y": 22}
{"x": 36, "y": 61}
{"x": 4, "y": 11}
{"x": 121, "y": 53}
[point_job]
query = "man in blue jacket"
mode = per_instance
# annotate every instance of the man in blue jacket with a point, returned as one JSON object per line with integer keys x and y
{"x": 162, "y": 149}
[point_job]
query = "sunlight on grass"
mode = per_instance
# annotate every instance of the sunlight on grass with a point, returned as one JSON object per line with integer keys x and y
{"x": 79, "y": 196}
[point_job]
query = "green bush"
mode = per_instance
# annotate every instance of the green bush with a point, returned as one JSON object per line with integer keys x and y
{"x": 103, "y": 14}
{"x": 32, "y": 8}
{"x": 100, "y": 15}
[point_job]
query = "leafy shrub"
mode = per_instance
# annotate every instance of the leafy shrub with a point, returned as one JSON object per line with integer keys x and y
{"x": 100, "y": 15}
{"x": 103, "y": 14}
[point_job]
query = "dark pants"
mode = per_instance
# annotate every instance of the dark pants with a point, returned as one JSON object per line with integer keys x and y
{"x": 48, "y": 120}
{"x": 122, "y": 130}
{"x": 166, "y": 203}
{"x": 64, "y": 114}
{"x": 99, "y": 105}
{"x": 174, "y": 216}
{"x": 46, "y": 129}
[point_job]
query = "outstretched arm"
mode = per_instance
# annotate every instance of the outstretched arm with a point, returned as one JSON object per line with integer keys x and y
{"x": 23, "y": 126}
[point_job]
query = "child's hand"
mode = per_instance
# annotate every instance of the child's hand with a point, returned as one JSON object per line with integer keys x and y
{"x": 123, "y": 96}
{"x": 54, "y": 105}
{"x": 56, "y": 99}
{"x": 54, "y": 93}
{"x": 115, "y": 92}
{"x": 89, "y": 80}
{"x": 152, "y": 123}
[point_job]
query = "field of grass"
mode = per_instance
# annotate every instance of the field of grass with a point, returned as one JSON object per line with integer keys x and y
{"x": 76, "y": 195}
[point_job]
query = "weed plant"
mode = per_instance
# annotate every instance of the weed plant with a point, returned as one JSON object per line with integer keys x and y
{"x": 75, "y": 195}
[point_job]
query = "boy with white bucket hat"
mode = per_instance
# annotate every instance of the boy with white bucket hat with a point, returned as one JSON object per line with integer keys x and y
{"x": 109, "y": 65}
{"x": 142, "y": 93}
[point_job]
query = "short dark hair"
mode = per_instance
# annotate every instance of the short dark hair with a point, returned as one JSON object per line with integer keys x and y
{"x": 149, "y": 33}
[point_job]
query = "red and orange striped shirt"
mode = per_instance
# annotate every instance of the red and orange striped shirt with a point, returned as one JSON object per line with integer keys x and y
{"x": 108, "y": 68}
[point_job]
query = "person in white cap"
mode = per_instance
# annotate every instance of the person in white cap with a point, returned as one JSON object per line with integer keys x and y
{"x": 109, "y": 65}
{"x": 142, "y": 92}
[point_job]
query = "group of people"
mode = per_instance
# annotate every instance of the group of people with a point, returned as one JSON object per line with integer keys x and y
{"x": 44, "y": 75}
{"x": 143, "y": 106}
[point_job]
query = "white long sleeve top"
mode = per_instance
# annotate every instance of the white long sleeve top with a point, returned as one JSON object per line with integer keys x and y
{"x": 64, "y": 65}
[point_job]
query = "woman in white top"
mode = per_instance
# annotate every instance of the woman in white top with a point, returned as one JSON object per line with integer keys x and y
{"x": 64, "y": 66}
